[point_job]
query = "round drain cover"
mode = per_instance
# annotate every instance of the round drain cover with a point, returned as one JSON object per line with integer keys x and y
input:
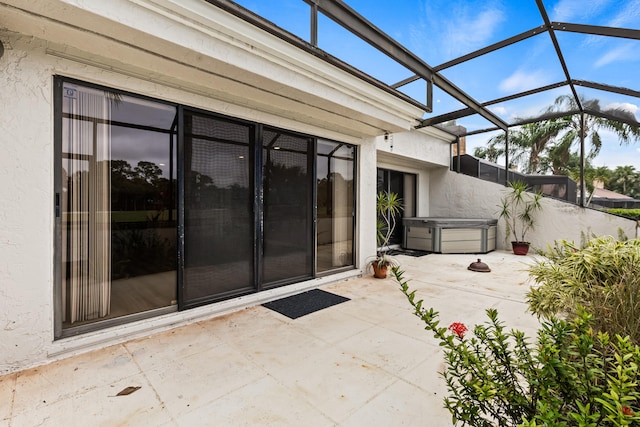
{"x": 479, "y": 266}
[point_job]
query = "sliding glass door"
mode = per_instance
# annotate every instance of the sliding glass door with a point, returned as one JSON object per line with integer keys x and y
{"x": 218, "y": 208}
{"x": 287, "y": 183}
{"x": 335, "y": 205}
{"x": 161, "y": 207}
{"x": 115, "y": 205}
{"x": 403, "y": 184}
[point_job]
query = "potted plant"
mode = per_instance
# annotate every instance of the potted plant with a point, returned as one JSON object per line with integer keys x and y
{"x": 388, "y": 206}
{"x": 519, "y": 208}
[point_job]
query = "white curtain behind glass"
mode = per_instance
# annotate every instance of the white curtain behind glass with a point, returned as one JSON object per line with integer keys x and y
{"x": 87, "y": 205}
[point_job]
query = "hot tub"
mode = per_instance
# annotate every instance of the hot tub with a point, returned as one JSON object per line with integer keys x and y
{"x": 450, "y": 235}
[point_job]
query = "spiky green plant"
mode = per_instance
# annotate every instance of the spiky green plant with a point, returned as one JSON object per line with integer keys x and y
{"x": 519, "y": 208}
{"x": 388, "y": 207}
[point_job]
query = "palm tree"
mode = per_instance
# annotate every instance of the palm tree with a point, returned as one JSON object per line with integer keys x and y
{"x": 592, "y": 174}
{"x": 547, "y": 145}
{"x": 527, "y": 143}
{"x": 624, "y": 180}
{"x": 571, "y": 131}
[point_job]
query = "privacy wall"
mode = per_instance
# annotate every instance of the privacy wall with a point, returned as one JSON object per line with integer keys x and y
{"x": 458, "y": 195}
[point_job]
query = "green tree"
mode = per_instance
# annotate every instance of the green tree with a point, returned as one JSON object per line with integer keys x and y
{"x": 572, "y": 127}
{"x": 592, "y": 174}
{"x": 491, "y": 152}
{"x": 148, "y": 172}
{"x": 527, "y": 144}
{"x": 550, "y": 145}
{"x": 625, "y": 180}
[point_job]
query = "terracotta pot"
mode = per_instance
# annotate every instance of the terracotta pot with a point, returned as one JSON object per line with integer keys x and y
{"x": 520, "y": 248}
{"x": 379, "y": 272}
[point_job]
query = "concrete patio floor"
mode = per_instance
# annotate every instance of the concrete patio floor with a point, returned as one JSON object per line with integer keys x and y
{"x": 365, "y": 362}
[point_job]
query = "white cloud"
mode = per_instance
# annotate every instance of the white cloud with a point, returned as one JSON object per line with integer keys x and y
{"x": 521, "y": 81}
{"x": 622, "y": 53}
{"x": 626, "y": 156}
{"x": 632, "y": 108}
{"x": 470, "y": 29}
{"x": 448, "y": 30}
{"x": 573, "y": 10}
{"x": 501, "y": 111}
{"x": 627, "y": 16}
{"x": 614, "y": 154}
{"x": 627, "y": 106}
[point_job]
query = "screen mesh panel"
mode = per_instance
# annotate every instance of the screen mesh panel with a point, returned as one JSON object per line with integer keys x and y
{"x": 288, "y": 220}
{"x": 218, "y": 208}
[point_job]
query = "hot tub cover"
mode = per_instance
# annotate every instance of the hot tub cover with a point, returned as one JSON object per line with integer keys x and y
{"x": 443, "y": 222}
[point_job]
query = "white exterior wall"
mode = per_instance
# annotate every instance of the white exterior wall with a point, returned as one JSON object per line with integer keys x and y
{"x": 462, "y": 196}
{"x": 366, "y": 222}
{"x": 26, "y": 216}
{"x": 293, "y": 91}
{"x": 416, "y": 152}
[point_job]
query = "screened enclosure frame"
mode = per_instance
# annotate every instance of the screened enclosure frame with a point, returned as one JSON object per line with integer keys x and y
{"x": 349, "y": 19}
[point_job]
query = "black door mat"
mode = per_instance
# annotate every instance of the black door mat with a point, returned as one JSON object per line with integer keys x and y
{"x": 409, "y": 252}
{"x": 305, "y": 303}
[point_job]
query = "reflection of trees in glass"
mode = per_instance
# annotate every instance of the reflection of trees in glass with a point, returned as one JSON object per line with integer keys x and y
{"x": 142, "y": 219}
{"x": 139, "y": 189}
{"x": 549, "y": 145}
{"x": 203, "y": 193}
{"x": 141, "y": 251}
{"x": 287, "y": 184}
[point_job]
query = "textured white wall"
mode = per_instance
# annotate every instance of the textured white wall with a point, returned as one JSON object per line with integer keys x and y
{"x": 283, "y": 88}
{"x": 418, "y": 153}
{"x": 458, "y": 195}
{"x": 416, "y": 148}
{"x": 26, "y": 212}
{"x": 366, "y": 224}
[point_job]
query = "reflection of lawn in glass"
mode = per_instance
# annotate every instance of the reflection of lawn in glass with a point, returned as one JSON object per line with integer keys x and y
{"x": 142, "y": 216}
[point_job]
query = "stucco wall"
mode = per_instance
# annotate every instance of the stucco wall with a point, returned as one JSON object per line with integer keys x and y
{"x": 418, "y": 153}
{"x": 27, "y": 209}
{"x": 416, "y": 148}
{"x": 458, "y": 195}
{"x": 26, "y": 212}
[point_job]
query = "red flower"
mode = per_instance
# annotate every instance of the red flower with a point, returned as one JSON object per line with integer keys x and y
{"x": 627, "y": 411}
{"x": 458, "y": 328}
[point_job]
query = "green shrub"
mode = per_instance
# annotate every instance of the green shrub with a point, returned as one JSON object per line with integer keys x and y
{"x": 603, "y": 277}
{"x": 629, "y": 213}
{"x": 570, "y": 376}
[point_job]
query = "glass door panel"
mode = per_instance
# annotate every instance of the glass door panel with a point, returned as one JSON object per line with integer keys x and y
{"x": 288, "y": 210}
{"x": 404, "y": 184}
{"x": 334, "y": 200}
{"x": 117, "y": 245}
{"x": 218, "y": 213}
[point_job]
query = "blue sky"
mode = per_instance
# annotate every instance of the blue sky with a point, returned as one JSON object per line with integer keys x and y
{"x": 440, "y": 30}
